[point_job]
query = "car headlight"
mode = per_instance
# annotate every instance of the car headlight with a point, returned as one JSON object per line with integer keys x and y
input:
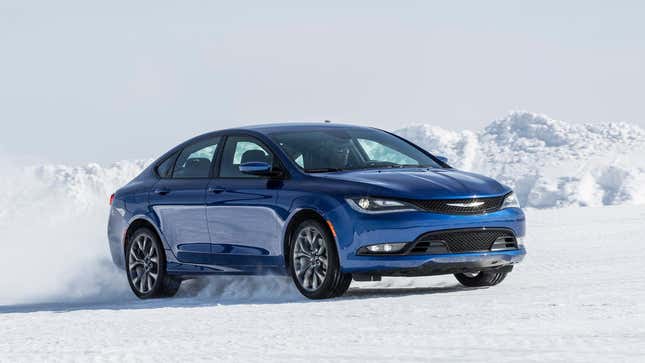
{"x": 510, "y": 201}
{"x": 379, "y": 205}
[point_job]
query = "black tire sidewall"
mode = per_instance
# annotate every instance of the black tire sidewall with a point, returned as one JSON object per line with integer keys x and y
{"x": 483, "y": 279}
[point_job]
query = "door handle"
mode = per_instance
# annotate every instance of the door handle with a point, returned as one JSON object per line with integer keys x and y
{"x": 161, "y": 191}
{"x": 215, "y": 189}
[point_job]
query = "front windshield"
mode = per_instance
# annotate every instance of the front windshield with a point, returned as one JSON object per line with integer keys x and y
{"x": 336, "y": 149}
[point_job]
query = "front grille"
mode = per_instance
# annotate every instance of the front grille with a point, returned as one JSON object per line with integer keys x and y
{"x": 464, "y": 240}
{"x": 460, "y": 206}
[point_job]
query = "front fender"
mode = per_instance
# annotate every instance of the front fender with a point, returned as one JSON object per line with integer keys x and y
{"x": 333, "y": 210}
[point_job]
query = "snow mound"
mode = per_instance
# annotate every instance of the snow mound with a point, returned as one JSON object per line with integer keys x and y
{"x": 549, "y": 163}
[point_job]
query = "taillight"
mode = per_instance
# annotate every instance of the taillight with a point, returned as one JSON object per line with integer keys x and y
{"x": 111, "y": 198}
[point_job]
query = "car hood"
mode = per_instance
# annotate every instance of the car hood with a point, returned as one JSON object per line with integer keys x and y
{"x": 423, "y": 183}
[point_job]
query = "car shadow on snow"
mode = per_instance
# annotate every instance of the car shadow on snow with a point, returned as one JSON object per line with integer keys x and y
{"x": 216, "y": 293}
{"x": 379, "y": 292}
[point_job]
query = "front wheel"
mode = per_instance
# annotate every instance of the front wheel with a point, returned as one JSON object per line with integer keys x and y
{"x": 314, "y": 263}
{"x": 146, "y": 266}
{"x": 481, "y": 278}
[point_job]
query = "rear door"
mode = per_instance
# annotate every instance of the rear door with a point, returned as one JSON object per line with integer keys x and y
{"x": 244, "y": 225}
{"x": 179, "y": 201}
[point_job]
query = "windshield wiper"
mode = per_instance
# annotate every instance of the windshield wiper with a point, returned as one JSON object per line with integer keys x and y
{"x": 322, "y": 170}
{"x": 389, "y": 166}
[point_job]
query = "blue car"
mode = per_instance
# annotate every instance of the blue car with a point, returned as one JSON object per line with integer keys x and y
{"x": 321, "y": 202}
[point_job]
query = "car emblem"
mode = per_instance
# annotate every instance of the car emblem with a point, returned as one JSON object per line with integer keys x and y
{"x": 466, "y": 205}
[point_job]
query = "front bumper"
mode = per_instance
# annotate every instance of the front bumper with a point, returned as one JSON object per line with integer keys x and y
{"x": 355, "y": 230}
{"x": 424, "y": 265}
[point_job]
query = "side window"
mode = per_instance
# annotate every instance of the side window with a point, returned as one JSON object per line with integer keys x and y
{"x": 378, "y": 152}
{"x": 300, "y": 161}
{"x": 239, "y": 150}
{"x": 196, "y": 159}
{"x": 165, "y": 168}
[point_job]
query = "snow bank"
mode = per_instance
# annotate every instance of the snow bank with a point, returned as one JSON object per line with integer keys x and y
{"x": 549, "y": 163}
{"x": 53, "y": 217}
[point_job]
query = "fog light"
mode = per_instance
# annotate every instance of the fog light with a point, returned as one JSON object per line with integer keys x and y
{"x": 386, "y": 247}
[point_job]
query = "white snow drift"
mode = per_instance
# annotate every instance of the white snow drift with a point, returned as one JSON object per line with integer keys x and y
{"x": 549, "y": 163}
{"x": 53, "y": 217}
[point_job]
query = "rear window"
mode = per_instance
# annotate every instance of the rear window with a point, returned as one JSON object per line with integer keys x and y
{"x": 196, "y": 159}
{"x": 165, "y": 168}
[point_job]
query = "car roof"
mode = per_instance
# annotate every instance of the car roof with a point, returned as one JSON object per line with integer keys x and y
{"x": 295, "y": 126}
{"x": 270, "y": 128}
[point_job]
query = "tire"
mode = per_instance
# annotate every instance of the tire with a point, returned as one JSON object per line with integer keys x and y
{"x": 481, "y": 279}
{"x": 313, "y": 262}
{"x": 145, "y": 263}
{"x": 343, "y": 285}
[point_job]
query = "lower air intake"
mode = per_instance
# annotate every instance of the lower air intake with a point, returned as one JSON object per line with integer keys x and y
{"x": 463, "y": 241}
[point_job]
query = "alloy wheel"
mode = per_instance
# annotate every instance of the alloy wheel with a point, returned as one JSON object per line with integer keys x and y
{"x": 143, "y": 263}
{"x": 310, "y": 258}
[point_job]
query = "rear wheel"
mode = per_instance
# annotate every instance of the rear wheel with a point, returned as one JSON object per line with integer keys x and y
{"x": 481, "y": 278}
{"x": 146, "y": 266}
{"x": 314, "y": 263}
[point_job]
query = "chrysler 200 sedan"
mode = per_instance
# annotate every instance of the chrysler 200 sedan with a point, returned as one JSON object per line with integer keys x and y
{"x": 323, "y": 203}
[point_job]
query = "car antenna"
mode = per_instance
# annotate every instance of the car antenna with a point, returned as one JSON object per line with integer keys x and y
{"x": 327, "y": 121}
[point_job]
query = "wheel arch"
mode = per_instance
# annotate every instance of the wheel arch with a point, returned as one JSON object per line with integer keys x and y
{"x": 294, "y": 221}
{"x": 139, "y": 222}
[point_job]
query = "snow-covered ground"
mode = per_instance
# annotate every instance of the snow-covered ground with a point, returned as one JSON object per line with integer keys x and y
{"x": 579, "y": 296}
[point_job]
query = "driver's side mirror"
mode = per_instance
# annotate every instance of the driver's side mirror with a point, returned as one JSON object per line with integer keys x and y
{"x": 443, "y": 159}
{"x": 256, "y": 168}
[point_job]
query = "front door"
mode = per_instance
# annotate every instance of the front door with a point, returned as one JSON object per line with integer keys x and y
{"x": 244, "y": 227}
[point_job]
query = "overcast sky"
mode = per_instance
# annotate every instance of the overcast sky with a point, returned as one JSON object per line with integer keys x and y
{"x": 88, "y": 81}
